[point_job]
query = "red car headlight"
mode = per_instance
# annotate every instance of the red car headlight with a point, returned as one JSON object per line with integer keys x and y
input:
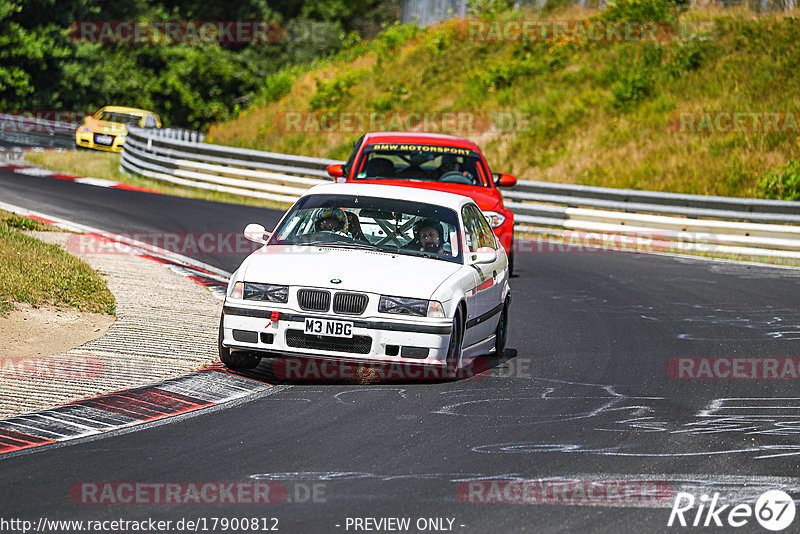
{"x": 494, "y": 219}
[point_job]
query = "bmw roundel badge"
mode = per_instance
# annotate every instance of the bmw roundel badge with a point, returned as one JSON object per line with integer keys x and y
{"x": 335, "y": 281}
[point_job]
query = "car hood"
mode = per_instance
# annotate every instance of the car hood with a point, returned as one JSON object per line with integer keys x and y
{"x": 487, "y": 198}
{"x": 359, "y": 270}
{"x": 97, "y": 125}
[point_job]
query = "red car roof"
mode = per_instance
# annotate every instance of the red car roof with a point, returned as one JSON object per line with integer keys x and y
{"x": 419, "y": 138}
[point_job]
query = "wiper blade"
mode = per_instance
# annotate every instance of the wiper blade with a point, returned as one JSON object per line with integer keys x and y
{"x": 422, "y": 253}
{"x": 339, "y": 244}
{"x": 344, "y": 244}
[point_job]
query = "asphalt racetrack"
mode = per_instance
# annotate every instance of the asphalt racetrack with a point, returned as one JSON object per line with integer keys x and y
{"x": 600, "y": 405}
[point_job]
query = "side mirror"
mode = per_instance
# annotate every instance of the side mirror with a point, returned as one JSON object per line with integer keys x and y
{"x": 335, "y": 170}
{"x": 505, "y": 180}
{"x": 484, "y": 255}
{"x": 256, "y": 233}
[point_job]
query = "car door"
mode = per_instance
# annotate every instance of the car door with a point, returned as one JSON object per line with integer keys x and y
{"x": 472, "y": 239}
{"x": 489, "y": 286}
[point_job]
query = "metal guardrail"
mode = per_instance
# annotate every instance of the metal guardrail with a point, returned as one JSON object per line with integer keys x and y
{"x": 181, "y": 134}
{"x": 254, "y": 173}
{"x": 40, "y": 132}
{"x": 695, "y": 222}
{"x": 35, "y": 131}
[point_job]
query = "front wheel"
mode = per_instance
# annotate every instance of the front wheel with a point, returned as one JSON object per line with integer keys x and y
{"x": 455, "y": 347}
{"x": 501, "y": 332}
{"x": 235, "y": 360}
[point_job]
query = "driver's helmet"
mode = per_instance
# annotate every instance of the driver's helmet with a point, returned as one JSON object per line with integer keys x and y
{"x": 331, "y": 213}
{"x": 429, "y": 223}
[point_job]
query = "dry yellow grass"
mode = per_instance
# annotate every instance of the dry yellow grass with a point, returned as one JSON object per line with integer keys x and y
{"x": 580, "y": 134}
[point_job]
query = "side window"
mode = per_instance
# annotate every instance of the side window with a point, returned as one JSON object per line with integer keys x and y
{"x": 471, "y": 232}
{"x": 485, "y": 234}
{"x": 349, "y": 164}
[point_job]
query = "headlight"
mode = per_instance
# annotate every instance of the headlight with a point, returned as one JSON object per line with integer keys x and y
{"x": 237, "y": 290}
{"x": 84, "y": 129}
{"x": 494, "y": 219}
{"x": 266, "y": 292}
{"x": 409, "y": 306}
{"x": 435, "y": 309}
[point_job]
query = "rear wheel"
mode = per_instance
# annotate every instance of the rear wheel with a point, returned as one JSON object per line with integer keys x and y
{"x": 235, "y": 360}
{"x": 455, "y": 347}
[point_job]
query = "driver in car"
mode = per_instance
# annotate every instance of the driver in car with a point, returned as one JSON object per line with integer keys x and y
{"x": 331, "y": 220}
{"x": 449, "y": 164}
{"x": 428, "y": 235}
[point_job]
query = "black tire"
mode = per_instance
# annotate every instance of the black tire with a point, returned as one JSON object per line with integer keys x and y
{"x": 501, "y": 332}
{"x": 235, "y": 360}
{"x": 511, "y": 260}
{"x": 455, "y": 347}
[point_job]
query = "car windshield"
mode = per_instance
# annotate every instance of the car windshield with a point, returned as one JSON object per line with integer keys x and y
{"x": 113, "y": 116}
{"x": 421, "y": 162}
{"x": 388, "y": 225}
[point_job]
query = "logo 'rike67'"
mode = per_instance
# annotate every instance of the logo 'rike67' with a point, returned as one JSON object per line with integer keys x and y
{"x": 774, "y": 510}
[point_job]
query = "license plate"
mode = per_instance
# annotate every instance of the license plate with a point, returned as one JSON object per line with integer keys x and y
{"x": 103, "y": 139}
{"x": 328, "y": 327}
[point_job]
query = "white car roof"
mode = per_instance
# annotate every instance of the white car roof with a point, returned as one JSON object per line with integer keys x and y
{"x": 439, "y": 198}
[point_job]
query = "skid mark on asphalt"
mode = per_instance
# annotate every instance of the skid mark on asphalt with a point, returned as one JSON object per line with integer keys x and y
{"x": 756, "y": 452}
{"x": 595, "y": 411}
{"x": 745, "y": 415}
{"x": 766, "y": 408}
{"x": 574, "y": 400}
{"x": 704, "y": 320}
{"x": 340, "y": 397}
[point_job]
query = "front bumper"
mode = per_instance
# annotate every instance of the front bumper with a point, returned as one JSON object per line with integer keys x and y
{"x": 375, "y": 339}
{"x": 87, "y": 140}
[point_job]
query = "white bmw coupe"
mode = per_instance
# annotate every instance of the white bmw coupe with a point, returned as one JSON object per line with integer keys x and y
{"x": 370, "y": 273}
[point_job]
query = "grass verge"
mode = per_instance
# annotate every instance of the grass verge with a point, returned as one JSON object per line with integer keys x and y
{"x": 618, "y": 113}
{"x": 38, "y": 273}
{"x": 106, "y": 166}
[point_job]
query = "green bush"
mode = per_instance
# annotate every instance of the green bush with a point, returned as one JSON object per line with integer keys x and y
{"x": 638, "y": 10}
{"x": 631, "y": 88}
{"x": 276, "y": 86}
{"x": 489, "y": 7}
{"x": 393, "y": 36}
{"x": 782, "y": 183}
{"x": 505, "y": 74}
{"x": 687, "y": 56}
{"x": 389, "y": 98}
{"x": 633, "y": 76}
{"x": 332, "y": 94}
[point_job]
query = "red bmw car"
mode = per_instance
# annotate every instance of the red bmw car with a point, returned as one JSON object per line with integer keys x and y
{"x": 432, "y": 161}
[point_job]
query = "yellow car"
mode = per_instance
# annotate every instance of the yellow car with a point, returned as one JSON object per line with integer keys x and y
{"x": 105, "y": 130}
